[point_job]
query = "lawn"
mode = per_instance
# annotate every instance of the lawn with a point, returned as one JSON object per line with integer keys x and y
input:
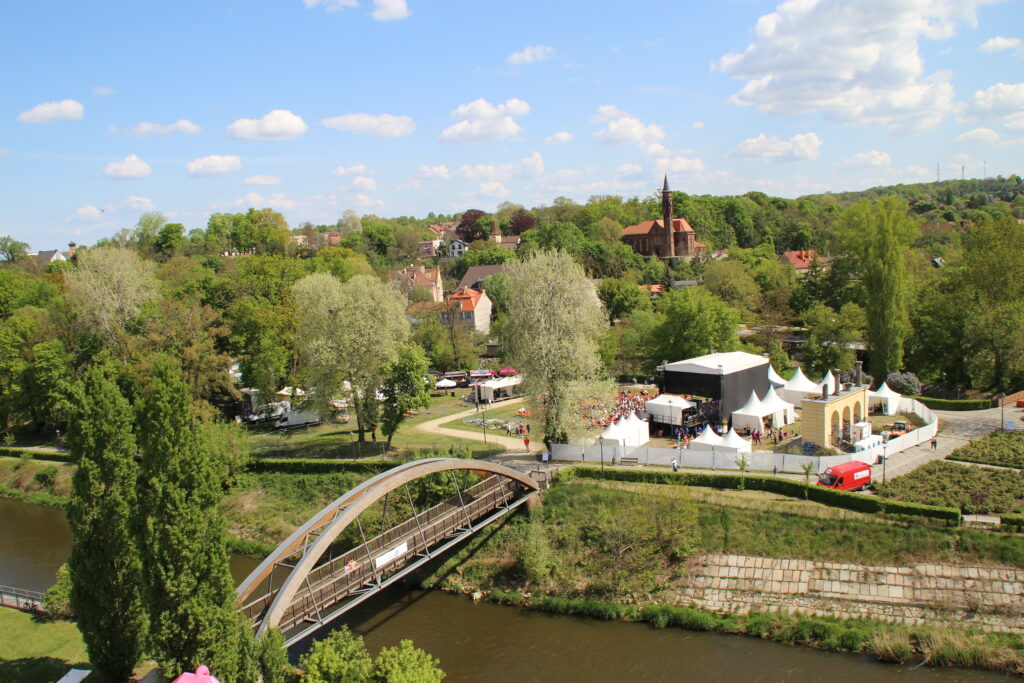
{"x": 35, "y": 651}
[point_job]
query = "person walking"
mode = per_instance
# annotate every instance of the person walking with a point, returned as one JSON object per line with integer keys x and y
{"x": 935, "y": 443}
{"x": 675, "y": 465}
{"x": 526, "y": 442}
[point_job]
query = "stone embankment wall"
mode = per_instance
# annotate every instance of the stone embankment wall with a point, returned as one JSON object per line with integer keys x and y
{"x": 991, "y": 598}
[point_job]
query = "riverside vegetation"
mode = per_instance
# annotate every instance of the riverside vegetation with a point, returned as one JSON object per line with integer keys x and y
{"x": 604, "y": 553}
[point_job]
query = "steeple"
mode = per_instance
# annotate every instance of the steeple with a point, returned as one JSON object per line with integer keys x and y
{"x": 669, "y": 248}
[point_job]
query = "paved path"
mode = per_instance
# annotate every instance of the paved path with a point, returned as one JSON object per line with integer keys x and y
{"x": 510, "y": 444}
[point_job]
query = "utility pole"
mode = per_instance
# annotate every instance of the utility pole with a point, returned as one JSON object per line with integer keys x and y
{"x": 936, "y": 171}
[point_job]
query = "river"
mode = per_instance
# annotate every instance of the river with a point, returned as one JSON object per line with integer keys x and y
{"x": 485, "y": 642}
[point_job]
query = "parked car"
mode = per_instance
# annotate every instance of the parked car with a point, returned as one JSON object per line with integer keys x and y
{"x": 850, "y": 476}
{"x": 298, "y": 418}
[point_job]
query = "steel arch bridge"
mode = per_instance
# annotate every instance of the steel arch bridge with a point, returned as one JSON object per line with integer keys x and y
{"x": 318, "y": 587}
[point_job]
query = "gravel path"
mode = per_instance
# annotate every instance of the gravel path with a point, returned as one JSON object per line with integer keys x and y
{"x": 510, "y": 444}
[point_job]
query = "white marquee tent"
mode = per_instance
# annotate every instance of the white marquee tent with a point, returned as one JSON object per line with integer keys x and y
{"x": 667, "y": 409}
{"x": 774, "y": 378}
{"x": 639, "y": 430}
{"x": 885, "y": 396}
{"x": 629, "y": 431}
{"x": 828, "y": 380}
{"x": 737, "y": 442}
{"x": 706, "y": 440}
{"x": 798, "y": 387}
{"x": 751, "y": 415}
{"x": 782, "y": 412}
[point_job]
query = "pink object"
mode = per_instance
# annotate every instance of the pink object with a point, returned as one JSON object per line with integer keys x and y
{"x": 202, "y": 675}
{"x": 506, "y": 371}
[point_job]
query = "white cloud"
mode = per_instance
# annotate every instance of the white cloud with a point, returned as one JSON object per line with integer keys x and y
{"x": 856, "y": 62}
{"x": 629, "y": 169}
{"x": 276, "y": 201}
{"x": 985, "y": 136}
{"x": 529, "y": 55}
{"x": 380, "y": 126}
{"x": 439, "y": 171}
{"x": 215, "y": 164}
{"x": 531, "y": 166}
{"x": 678, "y": 164}
{"x": 771, "y": 148}
{"x": 493, "y": 189}
{"x": 139, "y": 203}
{"x": 47, "y": 112}
{"x": 103, "y": 90}
{"x": 1000, "y": 43}
{"x": 262, "y": 180}
{"x": 361, "y": 182}
{"x": 697, "y": 125}
{"x": 87, "y": 213}
{"x": 363, "y": 200}
{"x": 872, "y": 159}
{"x": 279, "y": 124}
{"x": 480, "y": 120}
{"x": 623, "y": 128}
{"x": 184, "y": 126}
{"x": 559, "y": 138}
{"x": 4, "y": 152}
{"x": 354, "y": 169}
{"x": 331, "y": 5}
{"x": 656, "y": 149}
{"x": 1002, "y": 102}
{"x": 129, "y": 167}
{"x": 528, "y": 167}
{"x": 389, "y": 10}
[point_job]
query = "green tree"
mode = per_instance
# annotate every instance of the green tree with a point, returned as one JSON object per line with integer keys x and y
{"x": 189, "y": 592}
{"x": 830, "y": 335}
{"x": 341, "y": 657}
{"x": 621, "y": 298}
{"x": 730, "y": 281}
{"x": 406, "y": 387}
{"x": 105, "y": 562}
{"x": 406, "y": 663}
{"x": 16, "y": 338}
{"x": 11, "y": 249}
{"x": 555, "y": 326}
{"x": 691, "y": 322}
{"x": 51, "y": 384}
{"x": 880, "y": 235}
{"x": 168, "y": 239}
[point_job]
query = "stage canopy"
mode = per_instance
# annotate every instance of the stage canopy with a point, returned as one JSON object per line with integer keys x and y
{"x": 728, "y": 377}
{"x": 889, "y": 399}
{"x": 667, "y": 409}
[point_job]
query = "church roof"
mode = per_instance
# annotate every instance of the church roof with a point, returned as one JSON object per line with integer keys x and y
{"x": 645, "y": 228}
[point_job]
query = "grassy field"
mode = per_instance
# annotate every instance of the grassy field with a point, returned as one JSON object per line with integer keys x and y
{"x": 33, "y": 651}
{"x": 975, "y": 490}
{"x": 36, "y": 481}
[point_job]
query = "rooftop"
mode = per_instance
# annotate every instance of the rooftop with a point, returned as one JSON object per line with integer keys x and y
{"x": 718, "y": 363}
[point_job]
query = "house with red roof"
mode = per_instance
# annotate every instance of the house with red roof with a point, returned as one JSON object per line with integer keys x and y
{"x": 419, "y": 276}
{"x": 470, "y": 307}
{"x": 650, "y": 238}
{"x": 803, "y": 259}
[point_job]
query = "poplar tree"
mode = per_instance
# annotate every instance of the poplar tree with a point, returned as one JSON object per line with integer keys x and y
{"x": 105, "y": 564}
{"x": 188, "y": 586}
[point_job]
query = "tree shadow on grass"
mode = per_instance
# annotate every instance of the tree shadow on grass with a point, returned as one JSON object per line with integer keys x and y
{"x": 33, "y": 669}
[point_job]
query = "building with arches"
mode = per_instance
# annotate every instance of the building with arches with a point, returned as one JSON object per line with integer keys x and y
{"x": 828, "y": 421}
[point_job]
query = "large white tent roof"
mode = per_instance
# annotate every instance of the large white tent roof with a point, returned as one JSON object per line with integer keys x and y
{"x": 774, "y": 377}
{"x": 883, "y": 392}
{"x": 752, "y": 407}
{"x": 771, "y": 402}
{"x": 799, "y": 383}
{"x": 670, "y": 401}
{"x": 718, "y": 363}
{"x": 828, "y": 380}
{"x": 734, "y": 440}
{"x": 708, "y": 437}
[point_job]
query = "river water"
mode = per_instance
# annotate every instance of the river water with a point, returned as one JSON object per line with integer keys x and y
{"x": 485, "y": 642}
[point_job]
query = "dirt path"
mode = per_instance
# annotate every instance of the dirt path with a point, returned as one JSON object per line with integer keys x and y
{"x": 510, "y": 444}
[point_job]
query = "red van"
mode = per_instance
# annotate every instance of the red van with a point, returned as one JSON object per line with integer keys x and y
{"x": 850, "y": 476}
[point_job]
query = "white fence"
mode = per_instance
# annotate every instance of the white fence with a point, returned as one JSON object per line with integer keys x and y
{"x": 725, "y": 458}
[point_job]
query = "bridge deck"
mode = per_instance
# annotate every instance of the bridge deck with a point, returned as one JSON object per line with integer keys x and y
{"x": 388, "y": 555}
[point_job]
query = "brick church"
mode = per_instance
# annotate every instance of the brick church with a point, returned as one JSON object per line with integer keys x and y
{"x": 651, "y": 239}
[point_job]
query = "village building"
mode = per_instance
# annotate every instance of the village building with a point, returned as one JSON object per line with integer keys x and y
{"x": 470, "y": 307}
{"x": 650, "y": 238}
{"x": 419, "y": 276}
{"x": 457, "y": 249}
{"x": 475, "y": 276}
{"x": 429, "y": 249}
{"x": 45, "y": 258}
{"x": 507, "y": 242}
{"x": 803, "y": 260}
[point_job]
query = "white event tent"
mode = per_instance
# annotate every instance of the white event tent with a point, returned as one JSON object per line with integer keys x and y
{"x": 628, "y": 431}
{"x": 774, "y": 378}
{"x": 782, "y": 412}
{"x": 751, "y": 415}
{"x": 667, "y": 409}
{"x": 885, "y": 396}
{"x": 735, "y": 441}
{"x": 829, "y": 380}
{"x": 706, "y": 440}
{"x": 798, "y": 387}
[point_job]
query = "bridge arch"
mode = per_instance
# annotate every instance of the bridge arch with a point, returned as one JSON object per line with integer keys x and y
{"x": 326, "y": 525}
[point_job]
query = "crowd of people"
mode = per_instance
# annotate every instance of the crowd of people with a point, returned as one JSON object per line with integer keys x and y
{"x": 626, "y": 402}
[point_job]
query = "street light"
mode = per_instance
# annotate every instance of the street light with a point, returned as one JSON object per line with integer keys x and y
{"x": 600, "y": 440}
{"x": 1002, "y": 422}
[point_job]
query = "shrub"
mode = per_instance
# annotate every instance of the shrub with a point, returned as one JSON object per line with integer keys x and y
{"x": 1013, "y": 522}
{"x": 27, "y": 455}
{"x": 57, "y": 599}
{"x": 951, "y": 404}
{"x": 905, "y": 383}
{"x": 974, "y": 490}
{"x": 998, "y": 448}
{"x": 46, "y": 476}
{"x": 318, "y": 466}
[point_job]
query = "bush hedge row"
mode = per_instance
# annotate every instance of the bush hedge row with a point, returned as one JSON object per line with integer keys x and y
{"x": 786, "y": 487}
{"x": 952, "y": 404}
{"x": 318, "y": 466}
{"x": 35, "y": 455}
{"x": 1013, "y": 522}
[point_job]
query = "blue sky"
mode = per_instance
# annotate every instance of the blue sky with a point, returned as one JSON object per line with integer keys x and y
{"x": 401, "y": 107}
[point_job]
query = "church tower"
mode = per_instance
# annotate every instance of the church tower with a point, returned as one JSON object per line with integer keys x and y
{"x": 669, "y": 249}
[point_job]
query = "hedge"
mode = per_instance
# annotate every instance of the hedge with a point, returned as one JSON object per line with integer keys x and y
{"x": 318, "y": 466}
{"x": 951, "y": 404}
{"x": 1012, "y": 522}
{"x": 35, "y": 455}
{"x": 786, "y": 487}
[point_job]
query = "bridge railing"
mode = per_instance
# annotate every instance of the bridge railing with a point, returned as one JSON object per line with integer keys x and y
{"x": 332, "y": 581}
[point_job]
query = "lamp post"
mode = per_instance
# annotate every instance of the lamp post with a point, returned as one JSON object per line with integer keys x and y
{"x": 600, "y": 440}
{"x": 478, "y": 397}
{"x": 1002, "y": 422}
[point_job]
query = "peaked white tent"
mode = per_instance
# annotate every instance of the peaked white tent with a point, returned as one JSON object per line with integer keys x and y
{"x": 798, "y": 387}
{"x": 639, "y": 431}
{"x": 829, "y": 380}
{"x": 782, "y": 412}
{"x": 734, "y": 440}
{"x": 612, "y": 433}
{"x": 774, "y": 378}
{"x": 889, "y": 399}
{"x": 751, "y": 415}
{"x": 706, "y": 440}
{"x": 667, "y": 409}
